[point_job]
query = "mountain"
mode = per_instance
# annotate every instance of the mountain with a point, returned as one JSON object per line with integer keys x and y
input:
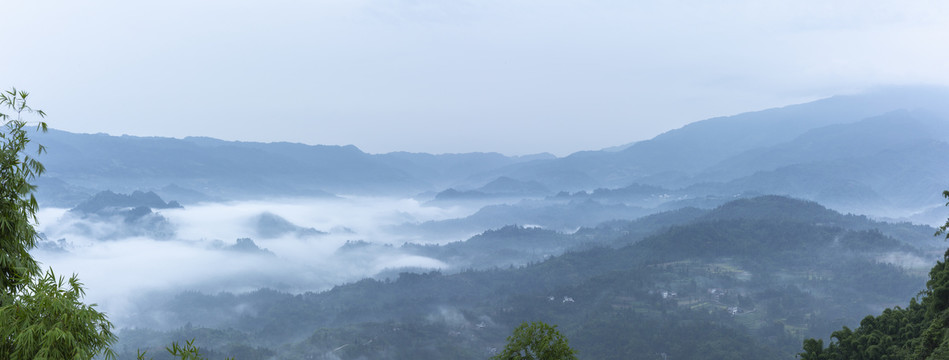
{"x": 705, "y": 143}
{"x": 864, "y": 138}
{"x": 247, "y": 246}
{"x": 511, "y": 244}
{"x": 502, "y": 187}
{"x": 205, "y": 168}
{"x": 107, "y": 200}
{"x": 448, "y": 170}
{"x": 917, "y": 331}
{"x": 269, "y": 225}
{"x": 672, "y": 158}
{"x": 729, "y": 282}
{"x": 877, "y": 153}
{"x": 111, "y": 216}
{"x": 214, "y": 167}
{"x": 556, "y": 215}
{"x": 507, "y": 186}
{"x": 898, "y": 179}
{"x": 727, "y": 238}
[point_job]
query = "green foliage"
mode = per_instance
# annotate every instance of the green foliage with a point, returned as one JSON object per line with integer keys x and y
{"x": 777, "y": 282}
{"x": 48, "y": 320}
{"x": 17, "y": 204}
{"x": 920, "y": 331}
{"x": 42, "y": 317}
{"x": 916, "y": 332}
{"x": 536, "y": 341}
{"x": 186, "y": 352}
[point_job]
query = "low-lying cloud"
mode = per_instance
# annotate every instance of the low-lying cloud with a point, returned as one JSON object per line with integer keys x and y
{"x": 119, "y": 268}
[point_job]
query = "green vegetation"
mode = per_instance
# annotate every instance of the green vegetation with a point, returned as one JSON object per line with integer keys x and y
{"x": 188, "y": 351}
{"x": 536, "y": 341}
{"x": 916, "y": 332}
{"x": 919, "y": 331}
{"x": 17, "y": 203}
{"x": 719, "y": 284}
{"x": 47, "y": 320}
{"x": 42, "y": 316}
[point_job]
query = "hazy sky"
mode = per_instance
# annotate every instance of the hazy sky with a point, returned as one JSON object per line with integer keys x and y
{"x": 513, "y": 76}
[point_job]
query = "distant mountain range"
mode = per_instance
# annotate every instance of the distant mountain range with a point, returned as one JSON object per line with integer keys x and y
{"x": 881, "y": 153}
{"x": 855, "y": 152}
{"x": 200, "y": 169}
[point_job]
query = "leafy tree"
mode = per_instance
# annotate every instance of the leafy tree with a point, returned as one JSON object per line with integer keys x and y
{"x": 536, "y": 341}
{"x": 813, "y": 349}
{"x": 17, "y": 203}
{"x": 42, "y": 317}
{"x": 47, "y": 320}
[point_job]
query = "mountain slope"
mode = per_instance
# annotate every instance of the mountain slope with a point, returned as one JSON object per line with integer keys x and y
{"x": 747, "y": 285}
{"x": 672, "y": 157}
{"x": 867, "y": 137}
{"x": 915, "y": 332}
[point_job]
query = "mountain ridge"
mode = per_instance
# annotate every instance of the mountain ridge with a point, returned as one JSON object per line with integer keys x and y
{"x": 812, "y": 150}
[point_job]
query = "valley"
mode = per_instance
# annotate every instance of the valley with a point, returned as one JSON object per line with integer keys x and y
{"x": 704, "y": 242}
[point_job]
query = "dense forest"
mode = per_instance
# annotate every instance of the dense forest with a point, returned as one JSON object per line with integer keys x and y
{"x": 914, "y": 332}
{"x": 749, "y": 279}
{"x": 917, "y": 331}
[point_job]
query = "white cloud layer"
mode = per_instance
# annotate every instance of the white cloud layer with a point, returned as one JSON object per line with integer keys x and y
{"x": 117, "y": 272}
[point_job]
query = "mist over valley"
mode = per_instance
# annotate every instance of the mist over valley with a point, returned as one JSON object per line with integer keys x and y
{"x": 732, "y": 236}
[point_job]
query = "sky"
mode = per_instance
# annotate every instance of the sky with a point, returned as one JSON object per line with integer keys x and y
{"x": 510, "y": 76}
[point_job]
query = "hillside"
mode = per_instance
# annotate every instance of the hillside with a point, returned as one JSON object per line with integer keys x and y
{"x": 732, "y": 283}
{"x": 914, "y": 332}
{"x": 677, "y": 155}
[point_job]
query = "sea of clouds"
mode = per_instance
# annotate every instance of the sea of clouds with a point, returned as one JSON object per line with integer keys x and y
{"x": 120, "y": 271}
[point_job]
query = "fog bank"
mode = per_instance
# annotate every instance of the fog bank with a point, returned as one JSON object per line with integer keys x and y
{"x": 203, "y": 253}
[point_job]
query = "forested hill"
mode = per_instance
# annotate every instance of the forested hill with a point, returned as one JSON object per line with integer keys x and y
{"x": 918, "y": 331}
{"x": 716, "y": 284}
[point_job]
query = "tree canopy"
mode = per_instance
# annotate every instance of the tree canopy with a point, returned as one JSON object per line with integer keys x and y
{"x": 536, "y": 341}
